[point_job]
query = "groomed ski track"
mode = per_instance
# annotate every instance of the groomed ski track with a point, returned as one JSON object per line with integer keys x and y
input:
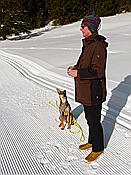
{"x": 32, "y": 143}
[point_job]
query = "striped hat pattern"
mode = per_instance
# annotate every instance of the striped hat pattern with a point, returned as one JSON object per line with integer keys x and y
{"x": 92, "y": 21}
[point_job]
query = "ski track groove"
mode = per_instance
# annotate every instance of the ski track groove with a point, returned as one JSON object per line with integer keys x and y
{"x": 14, "y": 156}
{"x": 40, "y": 80}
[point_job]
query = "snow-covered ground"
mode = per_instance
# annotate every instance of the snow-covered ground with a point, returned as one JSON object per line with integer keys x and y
{"x": 31, "y": 69}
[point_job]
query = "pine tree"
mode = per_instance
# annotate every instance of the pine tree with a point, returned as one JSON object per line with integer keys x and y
{"x": 66, "y": 11}
{"x": 19, "y": 16}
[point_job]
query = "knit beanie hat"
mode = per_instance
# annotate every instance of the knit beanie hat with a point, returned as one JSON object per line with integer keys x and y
{"x": 92, "y": 21}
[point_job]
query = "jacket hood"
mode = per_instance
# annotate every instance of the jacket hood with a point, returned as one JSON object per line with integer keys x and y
{"x": 95, "y": 37}
{"x": 102, "y": 39}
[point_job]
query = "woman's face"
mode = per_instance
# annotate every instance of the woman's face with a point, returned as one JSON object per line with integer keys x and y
{"x": 85, "y": 31}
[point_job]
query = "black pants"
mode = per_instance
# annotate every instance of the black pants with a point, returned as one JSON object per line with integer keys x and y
{"x": 93, "y": 117}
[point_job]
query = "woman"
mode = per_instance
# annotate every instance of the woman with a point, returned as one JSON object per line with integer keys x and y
{"x": 90, "y": 82}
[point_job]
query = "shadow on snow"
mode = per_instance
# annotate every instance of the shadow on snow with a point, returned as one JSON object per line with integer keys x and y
{"x": 117, "y": 101}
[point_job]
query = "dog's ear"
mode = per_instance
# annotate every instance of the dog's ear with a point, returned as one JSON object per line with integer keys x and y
{"x": 58, "y": 90}
{"x": 64, "y": 92}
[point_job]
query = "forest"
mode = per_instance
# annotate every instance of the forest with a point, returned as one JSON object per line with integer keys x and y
{"x": 21, "y": 16}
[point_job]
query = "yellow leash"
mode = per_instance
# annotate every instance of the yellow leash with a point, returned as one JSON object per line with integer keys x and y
{"x": 54, "y": 103}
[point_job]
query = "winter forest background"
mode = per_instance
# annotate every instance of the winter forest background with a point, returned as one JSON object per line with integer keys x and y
{"x": 21, "y": 16}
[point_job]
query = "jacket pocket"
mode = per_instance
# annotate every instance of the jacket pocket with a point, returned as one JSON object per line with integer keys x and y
{"x": 96, "y": 91}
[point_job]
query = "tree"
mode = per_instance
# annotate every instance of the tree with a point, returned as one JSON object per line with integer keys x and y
{"x": 66, "y": 11}
{"x": 20, "y": 16}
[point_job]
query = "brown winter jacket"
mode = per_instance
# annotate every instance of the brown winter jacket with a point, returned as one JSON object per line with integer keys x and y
{"x": 90, "y": 84}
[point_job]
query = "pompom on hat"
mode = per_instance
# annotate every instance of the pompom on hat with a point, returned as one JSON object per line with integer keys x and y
{"x": 92, "y": 21}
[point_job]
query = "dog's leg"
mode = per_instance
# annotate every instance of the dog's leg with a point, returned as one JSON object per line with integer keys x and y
{"x": 68, "y": 120}
{"x": 71, "y": 119}
{"x": 62, "y": 125}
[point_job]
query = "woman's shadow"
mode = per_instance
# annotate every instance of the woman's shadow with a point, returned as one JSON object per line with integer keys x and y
{"x": 118, "y": 98}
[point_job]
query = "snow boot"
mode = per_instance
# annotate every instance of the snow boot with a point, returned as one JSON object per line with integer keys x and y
{"x": 93, "y": 156}
{"x": 85, "y": 146}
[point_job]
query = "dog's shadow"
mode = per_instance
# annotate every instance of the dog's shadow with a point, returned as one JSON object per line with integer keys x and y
{"x": 77, "y": 111}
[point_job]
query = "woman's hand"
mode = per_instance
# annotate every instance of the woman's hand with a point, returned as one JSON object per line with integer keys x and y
{"x": 71, "y": 71}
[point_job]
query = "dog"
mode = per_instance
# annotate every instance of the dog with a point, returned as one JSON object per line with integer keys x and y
{"x": 66, "y": 116}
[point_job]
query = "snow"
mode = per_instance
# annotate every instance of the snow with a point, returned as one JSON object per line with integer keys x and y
{"x": 31, "y": 70}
